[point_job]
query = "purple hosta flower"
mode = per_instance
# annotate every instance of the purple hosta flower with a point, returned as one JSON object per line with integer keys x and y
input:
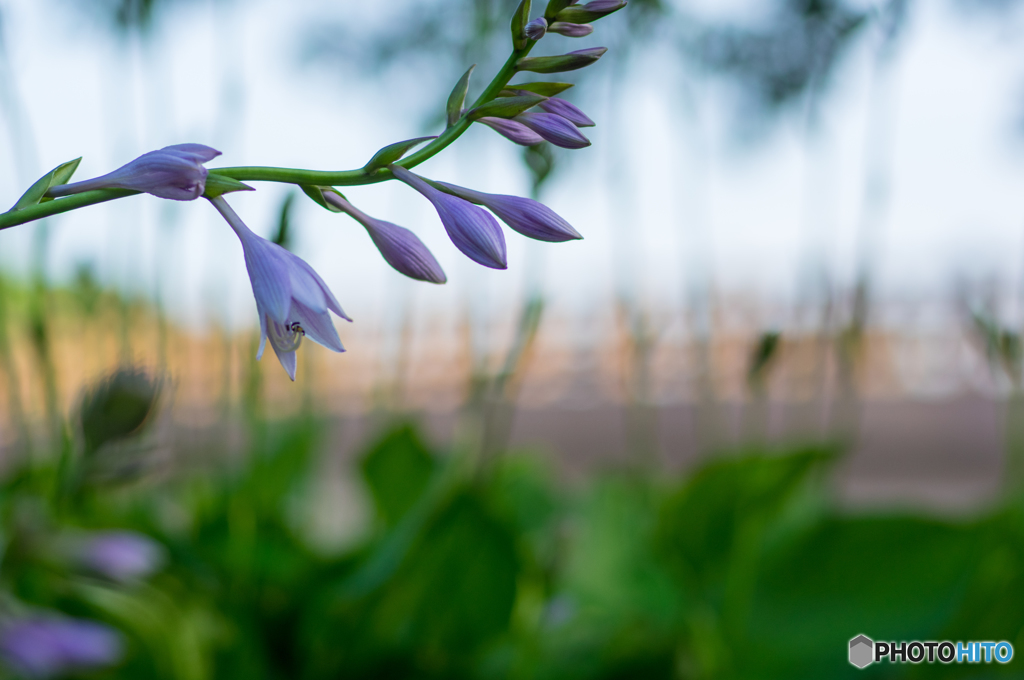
{"x": 536, "y": 29}
{"x": 526, "y": 216}
{"x": 473, "y": 230}
{"x": 174, "y": 172}
{"x": 570, "y": 112}
{"x": 119, "y": 555}
{"x": 44, "y": 647}
{"x": 401, "y": 248}
{"x": 510, "y": 129}
{"x": 554, "y": 128}
{"x": 571, "y": 30}
{"x": 292, "y": 300}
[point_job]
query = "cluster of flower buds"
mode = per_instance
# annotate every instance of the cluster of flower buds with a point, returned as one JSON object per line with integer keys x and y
{"x": 291, "y": 299}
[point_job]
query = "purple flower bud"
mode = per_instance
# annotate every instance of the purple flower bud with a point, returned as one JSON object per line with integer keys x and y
{"x": 174, "y": 172}
{"x": 119, "y": 555}
{"x": 473, "y": 230}
{"x": 44, "y": 647}
{"x": 526, "y": 216}
{"x": 555, "y": 129}
{"x": 401, "y": 248}
{"x": 510, "y": 129}
{"x": 605, "y": 6}
{"x": 536, "y": 29}
{"x": 562, "y": 108}
{"x": 291, "y": 299}
{"x": 571, "y": 30}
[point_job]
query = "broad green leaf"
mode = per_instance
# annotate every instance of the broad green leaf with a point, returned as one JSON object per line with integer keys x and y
{"x": 317, "y": 194}
{"x": 391, "y": 153}
{"x": 507, "y": 107}
{"x": 543, "y": 89}
{"x": 457, "y": 99}
{"x": 37, "y": 192}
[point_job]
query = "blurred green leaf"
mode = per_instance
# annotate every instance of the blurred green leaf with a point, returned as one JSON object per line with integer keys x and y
{"x": 397, "y": 469}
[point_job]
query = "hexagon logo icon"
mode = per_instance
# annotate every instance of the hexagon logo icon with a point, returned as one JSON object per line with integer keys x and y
{"x": 862, "y": 651}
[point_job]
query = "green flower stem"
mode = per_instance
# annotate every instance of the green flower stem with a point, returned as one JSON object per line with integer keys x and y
{"x": 287, "y": 175}
{"x": 57, "y": 206}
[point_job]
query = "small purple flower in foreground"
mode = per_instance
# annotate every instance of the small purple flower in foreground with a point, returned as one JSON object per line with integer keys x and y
{"x": 401, "y": 248}
{"x": 510, "y": 129}
{"x": 473, "y": 230}
{"x": 292, "y": 300}
{"x": 567, "y": 110}
{"x": 44, "y": 647}
{"x": 526, "y": 216}
{"x": 536, "y": 29}
{"x": 119, "y": 555}
{"x": 571, "y": 30}
{"x": 174, "y": 172}
{"x": 554, "y": 128}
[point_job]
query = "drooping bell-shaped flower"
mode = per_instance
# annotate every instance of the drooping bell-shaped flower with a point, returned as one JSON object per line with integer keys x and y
{"x": 528, "y": 217}
{"x": 512, "y": 130}
{"x": 174, "y": 172}
{"x": 292, "y": 300}
{"x": 554, "y": 128}
{"x": 567, "y": 110}
{"x": 118, "y": 555}
{"x": 401, "y": 248}
{"x": 473, "y": 230}
{"x": 51, "y": 646}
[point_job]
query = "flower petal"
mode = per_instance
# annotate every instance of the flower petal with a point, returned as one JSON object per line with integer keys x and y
{"x": 317, "y": 325}
{"x": 554, "y": 129}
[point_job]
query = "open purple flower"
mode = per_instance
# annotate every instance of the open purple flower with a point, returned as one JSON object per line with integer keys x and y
{"x": 554, "y": 128}
{"x": 48, "y": 646}
{"x": 401, "y": 248}
{"x": 292, "y": 300}
{"x": 174, "y": 172}
{"x": 567, "y": 110}
{"x": 473, "y": 230}
{"x": 512, "y": 130}
{"x": 118, "y": 555}
{"x": 526, "y": 216}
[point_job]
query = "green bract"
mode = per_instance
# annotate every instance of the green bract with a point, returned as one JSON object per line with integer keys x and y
{"x": 519, "y": 21}
{"x": 507, "y": 107}
{"x": 563, "y": 62}
{"x": 392, "y": 152}
{"x": 457, "y": 99}
{"x": 37, "y": 192}
{"x": 543, "y": 89}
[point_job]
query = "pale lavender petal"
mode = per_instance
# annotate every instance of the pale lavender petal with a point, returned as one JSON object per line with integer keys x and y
{"x": 404, "y": 251}
{"x": 317, "y": 326}
{"x": 304, "y": 288}
{"x": 332, "y": 302}
{"x": 473, "y": 230}
{"x": 570, "y": 112}
{"x": 198, "y": 152}
{"x": 528, "y": 217}
{"x": 554, "y": 129}
{"x": 571, "y": 30}
{"x": 536, "y": 29}
{"x": 45, "y": 647}
{"x": 287, "y": 360}
{"x": 120, "y": 555}
{"x": 510, "y": 129}
{"x": 271, "y": 283}
{"x": 604, "y": 6}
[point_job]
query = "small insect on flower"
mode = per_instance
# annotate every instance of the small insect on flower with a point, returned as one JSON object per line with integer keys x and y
{"x": 174, "y": 172}
{"x": 292, "y": 300}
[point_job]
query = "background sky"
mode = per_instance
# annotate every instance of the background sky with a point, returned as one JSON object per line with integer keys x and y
{"x": 669, "y": 199}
